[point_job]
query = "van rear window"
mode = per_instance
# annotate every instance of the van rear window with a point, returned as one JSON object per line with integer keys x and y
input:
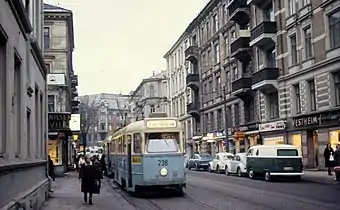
{"x": 287, "y": 152}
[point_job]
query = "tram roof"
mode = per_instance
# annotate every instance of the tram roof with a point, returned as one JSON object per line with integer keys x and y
{"x": 140, "y": 126}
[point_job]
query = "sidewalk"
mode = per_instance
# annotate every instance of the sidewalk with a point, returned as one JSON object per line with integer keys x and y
{"x": 319, "y": 177}
{"x": 67, "y": 196}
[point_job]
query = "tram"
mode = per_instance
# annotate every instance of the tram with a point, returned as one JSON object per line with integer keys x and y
{"x": 149, "y": 155}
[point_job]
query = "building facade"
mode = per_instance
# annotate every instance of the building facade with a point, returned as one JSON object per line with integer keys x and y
{"x": 178, "y": 94}
{"x": 23, "y": 110}
{"x": 61, "y": 81}
{"x": 296, "y": 45}
{"x": 111, "y": 111}
{"x": 150, "y": 96}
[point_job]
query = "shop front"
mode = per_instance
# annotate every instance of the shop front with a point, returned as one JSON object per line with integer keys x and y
{"x": 312, "y": 132}
{"x": 245, "y": 136}
{"x": 59, "y": 135}
{"x": 273, "y": 133}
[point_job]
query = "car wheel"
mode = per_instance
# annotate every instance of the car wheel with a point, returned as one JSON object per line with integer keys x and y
{"x": 226, "y": 171}
{"x": 239, "y": 172}
{"x": 209, "y": 169}
{"x": 251, "y": 174}
{"x": 267, "y": 176}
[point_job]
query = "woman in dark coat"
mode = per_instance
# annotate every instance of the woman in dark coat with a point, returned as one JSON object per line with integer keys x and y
{"x": 329, "y": 160}
{"x": 87, "y": 174}
{"x": 51, "y": 168}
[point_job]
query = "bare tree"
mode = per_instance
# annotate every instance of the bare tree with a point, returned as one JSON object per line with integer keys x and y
{"x": 88, "y": 117}
{"x": 122, "y": 111}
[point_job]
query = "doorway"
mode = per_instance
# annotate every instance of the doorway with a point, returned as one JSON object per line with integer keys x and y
{"x": 312, "y": 149}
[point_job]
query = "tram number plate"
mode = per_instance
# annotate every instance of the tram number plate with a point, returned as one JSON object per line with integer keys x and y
{"x": 136, "y": 160}
{"x": 162, "y": 162}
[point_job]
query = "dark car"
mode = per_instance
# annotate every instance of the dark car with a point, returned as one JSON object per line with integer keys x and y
{"x": 199, "y": 161}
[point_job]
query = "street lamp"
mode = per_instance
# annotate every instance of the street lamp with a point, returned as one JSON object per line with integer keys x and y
{"x": 83, "y": 135}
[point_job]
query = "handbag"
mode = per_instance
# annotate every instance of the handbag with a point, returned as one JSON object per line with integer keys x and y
{"x": 337, "y": 169}
{"x": 331, "y": 158}
{"x": 97, "y": 187}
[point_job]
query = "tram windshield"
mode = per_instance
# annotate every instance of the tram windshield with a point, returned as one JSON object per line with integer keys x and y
{"x": 162, "y": 142}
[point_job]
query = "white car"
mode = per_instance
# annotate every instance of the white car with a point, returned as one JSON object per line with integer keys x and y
{"x": 220, "y": 161}
{"x": 237, "y": 165}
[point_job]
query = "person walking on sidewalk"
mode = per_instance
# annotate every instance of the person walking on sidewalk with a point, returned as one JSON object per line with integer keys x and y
{"x": 337, "y": 162}
{"x": 51, "y": 168}
{"x": 103, "y": 164}
{"x": 87, "y": 174}
{"x": 329, "y": 159}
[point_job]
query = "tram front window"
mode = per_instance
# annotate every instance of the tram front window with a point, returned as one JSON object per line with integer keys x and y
{"x": 161, "y": 143}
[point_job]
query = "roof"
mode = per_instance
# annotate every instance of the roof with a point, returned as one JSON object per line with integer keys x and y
{"x": 51, "y": 8}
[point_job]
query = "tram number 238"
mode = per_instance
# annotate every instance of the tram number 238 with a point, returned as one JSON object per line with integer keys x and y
{"x": 162, "y": 162}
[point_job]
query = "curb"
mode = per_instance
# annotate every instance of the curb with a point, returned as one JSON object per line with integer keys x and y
{"x": 318, "y": 182}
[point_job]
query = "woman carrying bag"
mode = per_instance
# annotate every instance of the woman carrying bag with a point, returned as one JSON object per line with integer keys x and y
{"x": 329, "y": 158}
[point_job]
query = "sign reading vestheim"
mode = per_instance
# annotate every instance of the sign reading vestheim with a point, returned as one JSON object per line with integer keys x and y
{"x": 306, "y": 121}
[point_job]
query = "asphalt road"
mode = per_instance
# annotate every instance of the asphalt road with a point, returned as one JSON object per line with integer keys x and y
{"x": 221, "y": 192}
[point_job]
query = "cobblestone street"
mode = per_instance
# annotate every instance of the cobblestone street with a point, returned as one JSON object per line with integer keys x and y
{"x": 67, "y": 196}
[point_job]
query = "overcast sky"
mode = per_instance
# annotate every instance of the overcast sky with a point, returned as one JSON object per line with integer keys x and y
{"x": 120, "y": 42}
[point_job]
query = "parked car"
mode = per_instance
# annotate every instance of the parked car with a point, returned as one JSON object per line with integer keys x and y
{"x": 237, "y": 165}
{"x": 199, "y": 161}
{"x": 274, "y": 161}
{"x": 219, "y": 163}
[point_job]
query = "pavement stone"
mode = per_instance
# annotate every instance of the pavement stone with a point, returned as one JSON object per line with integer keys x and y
{"x": 319, "y": 177}
{"x": 67, "y": 196}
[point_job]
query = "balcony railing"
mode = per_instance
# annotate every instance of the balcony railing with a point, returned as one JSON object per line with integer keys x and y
{"x": 242, "y": 83}
{"x": 191, "y": 53}
{"x": 265, "y": 27}
{"x": 265, "y": 74}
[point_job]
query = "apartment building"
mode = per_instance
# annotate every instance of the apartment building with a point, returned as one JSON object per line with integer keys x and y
{"x": 150, "y": 96}
{"x": 23, "y": 115}
{"x": 297, "y": 46}
{"x": 111, "y": 111}
{"x": 178, "y": 94}
{"x": 62, "y": 83}
{"x": 220, "y": 55}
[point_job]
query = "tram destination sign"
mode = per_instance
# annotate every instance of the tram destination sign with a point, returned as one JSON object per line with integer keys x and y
{"x": 161, "y": 124}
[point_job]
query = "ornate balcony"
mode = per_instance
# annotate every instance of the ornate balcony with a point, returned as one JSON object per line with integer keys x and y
{"x": 241, "y": 87}
{"x": 239, "y": 11}
{"x": 265, "y": 80}
{"x": 193, "y": 109}
{"x": 240, "y": 48}
{"x": 191, "y": 54}
{"x": 192, "y": 81}
{"x": 258, "y": 3}
{"x": 262, "y": 35}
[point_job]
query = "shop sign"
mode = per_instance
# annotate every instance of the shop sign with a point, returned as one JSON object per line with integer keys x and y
{"x": 248, "y": 127}
{"x": 306, "y": 121}
{"x": 58, "y": 121}
{"x": 272, "y": 126}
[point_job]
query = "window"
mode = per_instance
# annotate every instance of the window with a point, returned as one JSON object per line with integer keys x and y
{"x": 297, "y": 98}
{"x": 287, "y": 152}
{"x": 291, "y": 5}
{"x": 308, "y": 42}
{"x": 153, "y": 109}
{"x": 208, "y": 30}
{"x": 217, "y": 53}
{"x": 28, "y": 133}
{"x": 334, "y": 29}
{"x": 48, "y": 67}
{"x": 137, "y": 142}
{"x": 228, "y": 81}
{"x": 218, "y": 83}
{"x": 237, "y": 114}
{"x": 219, "y": 119}
{"x": 311, "y": 85}
{"x": 212, "y": 121}
{"x": 273, "y": 100}
{"x": 51, "y": 103}
{"x": 249, "y": 110}
{"x": 216, "y": 26}
{"x": 226, "y": 48}
{"x": 229, "y": 119}
{"x": 152, "y": 90}
{"x": 337, "y": 88}
{"x": 102, "y": 126}
{"x": 304, "y": 2}
{"x": 294, "y": 52}
{"x": 102, "y": 116}
{"x": 162, "y": 143}
{"x": 235, "y": 72}
{"x": 17, "y": 103}
{"x": 47, "y": 38}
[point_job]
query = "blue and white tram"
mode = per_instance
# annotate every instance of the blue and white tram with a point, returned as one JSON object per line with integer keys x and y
{"x": 149, "y": 154}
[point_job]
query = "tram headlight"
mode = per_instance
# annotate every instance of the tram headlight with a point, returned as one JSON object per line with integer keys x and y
{"x": 163, "y": 172}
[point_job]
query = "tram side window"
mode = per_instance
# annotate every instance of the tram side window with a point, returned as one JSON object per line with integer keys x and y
{"x": 120, "y": 145}
{"x": 124, "y": 144}
{"x": 162, "y": 143}
{"x": 137, "y": 139}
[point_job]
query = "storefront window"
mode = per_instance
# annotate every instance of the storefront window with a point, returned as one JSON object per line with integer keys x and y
{"x": 297, "y": 140}
{"x": 54, "y": 151}
{"x": 334, "y": 138}
{"x": 273, "y": 140}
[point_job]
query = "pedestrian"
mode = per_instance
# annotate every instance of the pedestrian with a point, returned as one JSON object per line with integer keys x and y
{"x": 87, "y": 175}
{"x": 81, "y": 161}
{"x": 51, "y": 168}
{"x": 329, "y": 159}
{"x": 337, "y": 163}
{"x": 98, "y": 168}
{"x": 103, "y": 165}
